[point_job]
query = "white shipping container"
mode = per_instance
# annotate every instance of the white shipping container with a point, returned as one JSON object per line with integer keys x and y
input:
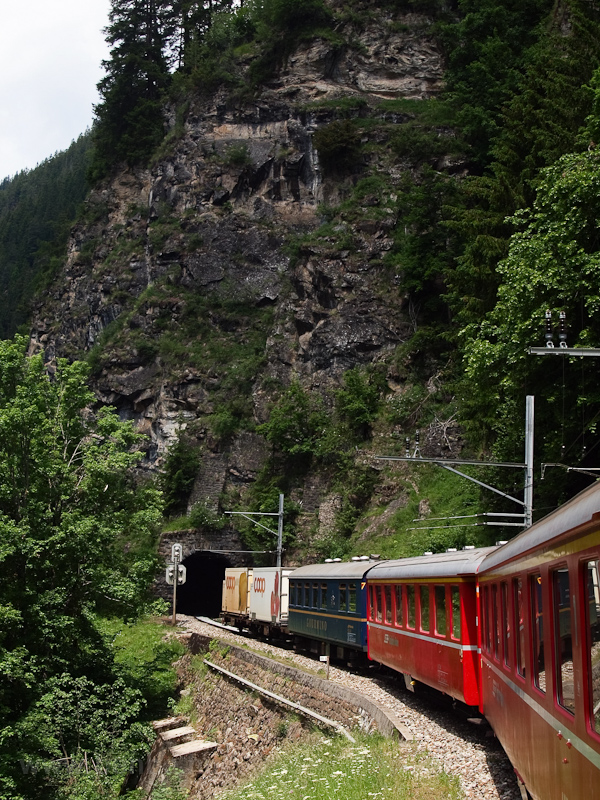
{"x": 236, "y": 590}
{"x": 269, "y": 595}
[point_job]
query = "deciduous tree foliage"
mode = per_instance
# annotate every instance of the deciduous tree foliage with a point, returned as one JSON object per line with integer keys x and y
{"x": 553, "y": 263}
{"x": 76, "y": 537}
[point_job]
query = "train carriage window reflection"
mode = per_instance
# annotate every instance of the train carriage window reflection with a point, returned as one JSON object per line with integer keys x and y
{"x": 343, "y": 597}
{"x": 424, "y": 598}
{"x": 371, "y": 603}
{"x": 387, "y": 590}
{"x": 307, "y": 594}
{"x": 410, "y": 604}
{"x": 292, "y": 593}
{"x": 315, "y": 595}
{"x": 519, "y": 624}
{"x": 440, "y": 610}
{"x": 495, "y": 622}
{"x": 563, "y": 642}
{"x": 455, "y": 597}
{"x": 399, "y": 607}
{"x": 324, "y": 597}
{"x": 379, "y": 605}
{"x": 593, "y": 641}
{"x": 486, "y": 638}
{"x": 539, "y": 665}
{"x": 352, "y": 598}
{"x": 505, "y": 623}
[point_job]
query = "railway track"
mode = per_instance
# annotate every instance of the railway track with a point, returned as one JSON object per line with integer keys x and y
{"x": 442, "y": 729}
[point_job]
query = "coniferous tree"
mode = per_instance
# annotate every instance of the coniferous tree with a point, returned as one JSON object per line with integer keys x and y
{"x": 129, "y": 120}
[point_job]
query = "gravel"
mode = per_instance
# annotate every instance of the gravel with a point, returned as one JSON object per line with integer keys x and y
{"x": 466, "y": 749}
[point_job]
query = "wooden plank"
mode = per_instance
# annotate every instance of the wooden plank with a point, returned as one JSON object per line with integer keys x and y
{"x": 195, "y": 746}
{"x": 177, "y": 733}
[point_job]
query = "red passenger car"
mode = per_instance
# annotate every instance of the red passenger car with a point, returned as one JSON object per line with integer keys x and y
{"x": 421, "y": 620}
{"x": 540, "y": 641}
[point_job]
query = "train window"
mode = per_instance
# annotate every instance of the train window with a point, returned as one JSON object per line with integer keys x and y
{"x": 495, "y": 622}
{"x": 352, "y": 598}
{"x": 519, "y": 624}
{"x": 379, "y": 606}
{"x": 343, "y": 597}
{"x": 440, "y": 610}
{"x": 563, "y": 640}
{"x": 455, "y": 597}
{"x": 371, "y": 603}
{"x": 307, "y": 594}
{"x": 539, "y": 665}
{"x": 593, "y": 640}
{"x": 505, "y": 623}
{"x": 292, "y": 593}
{"x": 324, "y": 597}
{"x": 410, "y": 604}
{"x": 387, "y": 590}
{"x": 485, "y": 638}
{"x": 399, "y": 607}
{"x": 424, "y": 598}
{"x": 315, "y": 595}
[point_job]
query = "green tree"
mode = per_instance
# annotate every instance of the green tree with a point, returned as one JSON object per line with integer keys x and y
{"x": 129, "y": 119}
{"x": 553, "y": 263}
{"x": 77, "y": 537}
{"x": 37, "y": 210}
{"x": 357, "y": 402}
{"x": 180, "y": 470}
{"x": 296, "y": 422}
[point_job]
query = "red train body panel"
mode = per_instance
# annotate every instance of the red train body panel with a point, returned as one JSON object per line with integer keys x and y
{"x": 540, "y": 642}
{"x": 514, "y": 629}
{"x": 422, "y": 620}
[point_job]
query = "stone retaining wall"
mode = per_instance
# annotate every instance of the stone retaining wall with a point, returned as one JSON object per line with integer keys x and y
{"x": 325, "y": 697}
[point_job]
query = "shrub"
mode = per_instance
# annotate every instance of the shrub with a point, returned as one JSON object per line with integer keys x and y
{"x": 338, "y": 144}
{"x": 180, "y": 470}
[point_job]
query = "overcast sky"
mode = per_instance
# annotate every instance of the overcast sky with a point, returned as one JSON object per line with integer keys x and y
{"x": 50, "y": 63}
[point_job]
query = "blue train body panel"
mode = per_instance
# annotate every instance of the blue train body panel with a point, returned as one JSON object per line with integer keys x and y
{"x": 328, "y": 602}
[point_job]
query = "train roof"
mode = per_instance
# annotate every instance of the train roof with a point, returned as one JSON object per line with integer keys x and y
{"x": 438, "y": 565}
{"x": 566, "y": 519}
{"x": 338, "y": 570}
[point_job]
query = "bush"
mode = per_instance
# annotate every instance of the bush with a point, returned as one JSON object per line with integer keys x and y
{"x": 296, "y": 422}
{"x": 338, "y": 144}
{"x": 180, "y": 470}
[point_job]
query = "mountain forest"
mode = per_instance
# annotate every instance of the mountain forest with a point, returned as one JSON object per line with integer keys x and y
{"x": 303, "y": 239}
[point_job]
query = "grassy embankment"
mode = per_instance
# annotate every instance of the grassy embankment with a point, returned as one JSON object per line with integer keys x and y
{"x": 327, "y": 768}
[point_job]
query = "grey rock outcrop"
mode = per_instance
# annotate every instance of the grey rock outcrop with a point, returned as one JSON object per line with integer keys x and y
{"x": 211, "y": 219}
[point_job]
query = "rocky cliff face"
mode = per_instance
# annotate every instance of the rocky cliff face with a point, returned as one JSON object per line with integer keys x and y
{"x": 182, "y": 278}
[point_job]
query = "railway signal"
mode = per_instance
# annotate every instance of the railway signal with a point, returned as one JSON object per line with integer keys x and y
{"x": 175, "y": 574}
{"x": 170, "y": 574}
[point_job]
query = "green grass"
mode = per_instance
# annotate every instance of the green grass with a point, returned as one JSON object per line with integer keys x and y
{"x": 145, "y": 655}
{"x": 328, "y": 768}
{"x": 448, "y": 495}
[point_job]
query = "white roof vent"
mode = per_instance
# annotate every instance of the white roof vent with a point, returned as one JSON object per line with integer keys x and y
{"x": 451, "y": 550}
{"x": 501, "y": 542}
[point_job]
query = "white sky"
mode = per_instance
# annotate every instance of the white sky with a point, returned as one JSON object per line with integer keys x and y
{"x": 50, "y": 63}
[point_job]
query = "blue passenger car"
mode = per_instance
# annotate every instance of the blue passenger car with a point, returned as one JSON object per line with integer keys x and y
{"x": 328, "y": 606}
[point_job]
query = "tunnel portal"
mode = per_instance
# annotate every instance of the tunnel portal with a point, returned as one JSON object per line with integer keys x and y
{"x": 200, "y": 595}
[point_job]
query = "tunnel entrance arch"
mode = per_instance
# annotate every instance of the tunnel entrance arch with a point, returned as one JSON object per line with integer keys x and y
{"x": 200, "y": 595}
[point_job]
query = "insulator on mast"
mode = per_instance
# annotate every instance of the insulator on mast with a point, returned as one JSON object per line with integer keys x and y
{"x": 562, "y": 330}
{"x": 407, "y": 442}
{"x": 549, "y": 334}
{"x": 417, "y": 452}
